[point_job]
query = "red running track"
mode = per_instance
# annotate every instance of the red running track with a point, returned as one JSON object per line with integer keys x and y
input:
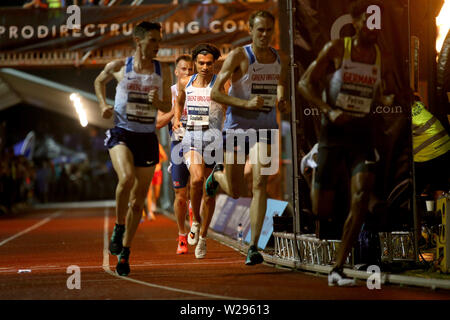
{"x": 47, "y": 242}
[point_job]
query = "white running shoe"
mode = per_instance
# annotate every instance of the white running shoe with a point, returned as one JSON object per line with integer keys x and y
{"x": 200, "y": 249}
{"x": 336, "y": 278}
{"x": 193, "y": 235}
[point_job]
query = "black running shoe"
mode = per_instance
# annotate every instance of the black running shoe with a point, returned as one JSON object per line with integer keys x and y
{"x": 211, "y": 184}
{"x": 123, "y": 267}
{"x": 253, "y": 256}
{"x": 115, "y": 244}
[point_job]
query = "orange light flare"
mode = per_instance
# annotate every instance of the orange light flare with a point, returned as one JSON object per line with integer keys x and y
{"x": 443, "y": 24}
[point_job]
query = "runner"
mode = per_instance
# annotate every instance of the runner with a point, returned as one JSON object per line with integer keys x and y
{"x": 132, "y": 143}
{"x": 204, "y": 122}
{"x": 346, "y": 138}
{"x": 258, "y": 79}
{"x": 180, "y": 174}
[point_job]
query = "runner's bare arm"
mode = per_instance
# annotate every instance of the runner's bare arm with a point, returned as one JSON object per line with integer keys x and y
{"x": 107, "y": 74}
{"x": 232, "y": 64}
{"x": 384, "y": 93}
{"x": 309, "y": 84}
{"x": 179, "y": 104}
{"x": 164, "y": 105}
{"x": 164, "y": 118}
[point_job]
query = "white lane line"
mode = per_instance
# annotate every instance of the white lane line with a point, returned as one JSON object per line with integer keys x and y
{"x": 148, "y": 284}
{"x": 14, "y": 269}
{"x": 35, "y": 226}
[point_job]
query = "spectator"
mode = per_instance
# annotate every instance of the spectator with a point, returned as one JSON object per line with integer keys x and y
{"x": 431, "y": 151}
{"x": 43, "y": 177}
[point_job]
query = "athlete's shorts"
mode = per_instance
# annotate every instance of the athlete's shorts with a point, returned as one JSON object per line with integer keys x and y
{"x": 207, "y": 143}
{"x": 143, "y": 146}
{"x": 243, "y": 142}
{"x": 333, "y": 162}
{"x": 157, "y": 178}
{"x": 179, "y": 172}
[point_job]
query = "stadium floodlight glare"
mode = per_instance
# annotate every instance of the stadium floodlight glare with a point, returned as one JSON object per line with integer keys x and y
{"x": 443, "y": 24}
{"x": 75, "y": 98}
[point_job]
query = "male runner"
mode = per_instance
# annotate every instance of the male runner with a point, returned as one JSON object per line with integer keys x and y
{"x": 132, "y": 143}
{"x": 203, "y": 125}
{"x": 180, "y": 174}
{"x": 258, "y": 79}
{"x": 345, "y": 143}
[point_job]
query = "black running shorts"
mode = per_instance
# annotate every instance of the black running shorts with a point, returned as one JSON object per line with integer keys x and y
{"x": 143, "y": 146}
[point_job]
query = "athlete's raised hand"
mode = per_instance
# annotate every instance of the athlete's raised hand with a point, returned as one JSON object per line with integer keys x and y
{"x": 153, "y": 98}
{"x": 255, "y": 103}
{"x": 107, "y": 111}
{"x": 284, "y": 106}
{"x": 176, "y": 124}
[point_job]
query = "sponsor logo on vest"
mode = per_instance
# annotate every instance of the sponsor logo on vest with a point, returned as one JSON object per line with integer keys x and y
{"x": 265, "y": 77}
{"x": 140, "y": 88}
{"x": 199, "y": 98}
{"x": 358, "y": 78}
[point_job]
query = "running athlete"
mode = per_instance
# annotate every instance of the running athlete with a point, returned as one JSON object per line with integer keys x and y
{"x": 132, "y": 143}
{"x": 202, "y": 140}
{"x": 180, "y": 174}
{"x": 258, "y": 79}
{"x": 345, "y": 143}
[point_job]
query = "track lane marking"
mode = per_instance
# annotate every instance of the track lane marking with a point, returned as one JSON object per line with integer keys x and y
{"x": 34, "y": 226}
{"x": 14, "y": 269}
{"x": 108, "y": 270}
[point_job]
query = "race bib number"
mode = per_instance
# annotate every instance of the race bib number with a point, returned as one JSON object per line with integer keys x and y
{"x": 138, "y": 108}
{"x": 197, "y": 116}
{"x": 353, "y": 103}
{"x": 266, "y": 91}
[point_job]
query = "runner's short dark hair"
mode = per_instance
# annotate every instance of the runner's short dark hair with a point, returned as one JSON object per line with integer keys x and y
{"x": 142, "y": 28}
{"x": 260, "y": 13}
{"x": 205, "y": 48}
{"x": 184, "y": 57}
{"x": 358, "y": 7}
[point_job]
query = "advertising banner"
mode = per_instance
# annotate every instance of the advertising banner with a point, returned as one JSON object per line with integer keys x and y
{"x": 84, "y": 29}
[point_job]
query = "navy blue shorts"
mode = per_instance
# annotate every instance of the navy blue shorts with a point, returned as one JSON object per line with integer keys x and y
{"x": 143, "y": 146}
{"x": 180, "y": 173}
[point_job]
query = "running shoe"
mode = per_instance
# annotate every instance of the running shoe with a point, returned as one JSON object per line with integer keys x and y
{"x": 182, "y": 245}
{"x": 115, "y": 244}
{"x": 337, "y": 278}
{"x": 253, "y": 256}
{"x": 211, "y": 184}
{"x": 123, "y": 266}
{"x": 194, "y": 233}
{"x": 200, "y": 249}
